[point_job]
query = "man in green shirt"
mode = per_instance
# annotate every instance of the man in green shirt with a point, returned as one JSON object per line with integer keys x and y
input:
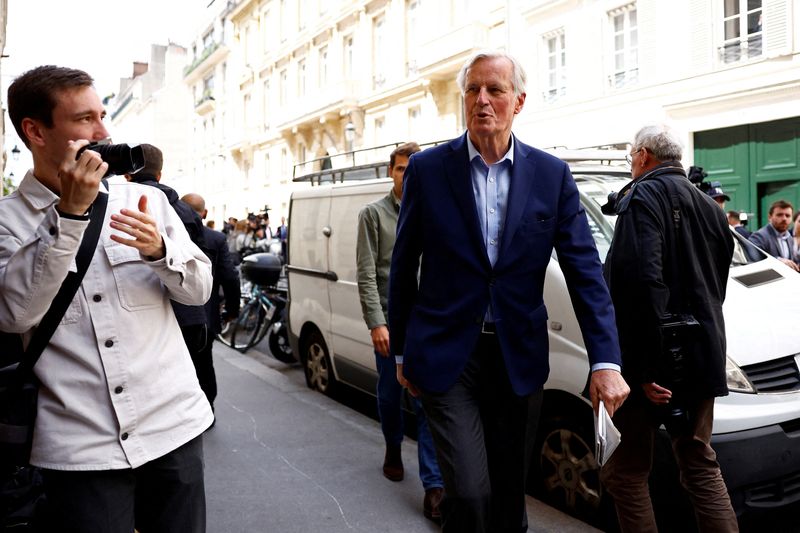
{"x": 377, "y": 223}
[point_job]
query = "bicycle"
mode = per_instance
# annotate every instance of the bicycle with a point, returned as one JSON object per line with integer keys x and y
{"x": 263, "y": 310}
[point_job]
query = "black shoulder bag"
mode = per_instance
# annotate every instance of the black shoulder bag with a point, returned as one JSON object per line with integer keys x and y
{"x": 21, "y": 487}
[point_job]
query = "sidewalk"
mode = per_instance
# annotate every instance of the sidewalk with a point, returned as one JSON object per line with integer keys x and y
{"x": 283, "y": 458}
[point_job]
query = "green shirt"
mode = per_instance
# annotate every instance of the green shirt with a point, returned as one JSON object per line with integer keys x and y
{"x": 377, "y": 228}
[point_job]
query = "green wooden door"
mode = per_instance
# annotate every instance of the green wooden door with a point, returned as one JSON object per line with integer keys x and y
{"x": 725, "y": 155}
{"x": 756, "y": 164}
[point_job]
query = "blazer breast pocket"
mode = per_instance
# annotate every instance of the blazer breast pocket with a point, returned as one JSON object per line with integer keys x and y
{"x": 532, "y": 226}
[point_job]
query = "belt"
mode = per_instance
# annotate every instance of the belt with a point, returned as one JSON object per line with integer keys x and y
{"x": 488, "y": 328}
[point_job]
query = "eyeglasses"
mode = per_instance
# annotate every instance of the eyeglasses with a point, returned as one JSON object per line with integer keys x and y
{"x": 629, "y": 157}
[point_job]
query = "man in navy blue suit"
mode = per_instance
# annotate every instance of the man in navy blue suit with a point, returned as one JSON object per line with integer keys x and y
{"x": 479, "y": 220}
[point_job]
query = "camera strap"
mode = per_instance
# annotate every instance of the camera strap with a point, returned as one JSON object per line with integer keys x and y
{"x": 677, "y": 287}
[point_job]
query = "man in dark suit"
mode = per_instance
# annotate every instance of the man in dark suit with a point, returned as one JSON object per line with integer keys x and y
{"x": 226, "y": 276}
{"x": 479, "y": 220}
{"x": 776, "y": 238}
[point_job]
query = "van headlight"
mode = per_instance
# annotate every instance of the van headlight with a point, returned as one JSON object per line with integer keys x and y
{"x": 737, "y": 381}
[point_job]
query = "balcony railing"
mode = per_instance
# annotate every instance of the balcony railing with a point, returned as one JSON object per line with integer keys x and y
{"x": 207, "y": 51}
{"x": 206, "y": 103}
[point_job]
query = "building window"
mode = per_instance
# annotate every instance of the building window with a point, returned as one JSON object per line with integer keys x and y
{"x": 267, "y": 169}
{"x": 555, "y": 62}
{"x": 348, "y": 56}
{"x": 283, "y": 89}
{"x": 301, "y": 158}
{"x": 742, "y": 30}
{"x": 208, "y": 40}
{"x": 379, "y": 52}
{"x": 265, "y": 122}
{"x": 208, "y": 89}
{"x": 413, "y": 21}
{"x": 323, "y": 67}
{"x": 284, "y": 162}
{"x": 301, "y": 78}
{"x": 246, "y": 111}
{"x": 302, "y": 11}
{"x": 625, "y": 49}
{"x": 284, "y": 26}
{"x": 265, "y": 33}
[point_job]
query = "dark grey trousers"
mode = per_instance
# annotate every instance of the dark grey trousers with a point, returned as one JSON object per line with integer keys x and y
{"x": 484, "y": 435}
{"x": 166, "y": 495}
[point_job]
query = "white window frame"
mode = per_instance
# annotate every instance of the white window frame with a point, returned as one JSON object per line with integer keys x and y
{"x": 744, "y": 46}
{"x": 348, "y": 55}
{"x": 302, "y": 75}
{"x": 554, "y": 60}
{"x": 322, "y": 59}
{"x": 626, "y": 71}
{"x": 380, "y": 47}
{"x": 413, "y": 23}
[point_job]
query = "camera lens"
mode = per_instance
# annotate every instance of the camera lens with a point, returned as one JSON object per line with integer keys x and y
{"x": 121, "y": 158}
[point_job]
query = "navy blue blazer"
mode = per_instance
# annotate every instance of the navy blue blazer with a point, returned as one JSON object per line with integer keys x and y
{"x": 435, "y": 323}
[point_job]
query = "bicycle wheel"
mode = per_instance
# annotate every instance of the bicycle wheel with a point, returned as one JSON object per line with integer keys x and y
{"x": 248, "y": 326}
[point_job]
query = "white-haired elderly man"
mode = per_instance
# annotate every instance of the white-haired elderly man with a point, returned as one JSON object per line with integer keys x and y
{"x": 479, "y": 219}
{"x": 667, "y": 271}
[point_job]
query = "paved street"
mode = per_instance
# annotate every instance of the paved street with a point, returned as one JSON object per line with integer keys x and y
{"x": 283, "y": 458}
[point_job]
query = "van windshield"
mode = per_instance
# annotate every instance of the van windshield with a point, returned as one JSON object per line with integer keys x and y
{"x": 602, "y": 227}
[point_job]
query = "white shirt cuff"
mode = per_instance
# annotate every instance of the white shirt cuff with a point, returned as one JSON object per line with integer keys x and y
{"x": 606, "y": 366}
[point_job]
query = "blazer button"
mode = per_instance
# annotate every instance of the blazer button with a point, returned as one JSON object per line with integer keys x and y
{"x": 109, "y": 343}
{"x": 124, "y": 436}
{"x": 97, "y": 297}
{"x": 52, "y": 230}
{"x": 118, "y": 389}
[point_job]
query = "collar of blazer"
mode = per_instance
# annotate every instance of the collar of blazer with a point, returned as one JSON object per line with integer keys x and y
{"x": 457, "y": 167}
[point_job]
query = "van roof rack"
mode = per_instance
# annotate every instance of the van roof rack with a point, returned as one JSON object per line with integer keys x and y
{"x": 372, "y": 163}
{"x": 355, "y": 165}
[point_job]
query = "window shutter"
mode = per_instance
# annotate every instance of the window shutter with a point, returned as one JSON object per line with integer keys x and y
{"x": 777, "y": 27}
{"x": 701, "y": 49}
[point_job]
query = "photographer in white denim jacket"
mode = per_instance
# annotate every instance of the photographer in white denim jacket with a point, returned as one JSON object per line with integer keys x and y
{"x": 120, "y": 414}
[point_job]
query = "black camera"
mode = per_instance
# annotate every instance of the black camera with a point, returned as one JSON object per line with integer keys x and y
{"x": 121, "y": 158}
{"x": 678, "y": 336}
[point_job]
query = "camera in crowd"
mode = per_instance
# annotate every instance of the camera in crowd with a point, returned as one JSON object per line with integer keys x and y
{"x": 121, "y": 158}
{"x": 673, "y": 369}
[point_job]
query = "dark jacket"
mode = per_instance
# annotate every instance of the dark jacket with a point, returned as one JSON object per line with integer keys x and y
{"x": 650, "y": 273}
{"x": 767, "y": 238}
{"x": 187, "y": 315}
{"x": 225, "y": 276}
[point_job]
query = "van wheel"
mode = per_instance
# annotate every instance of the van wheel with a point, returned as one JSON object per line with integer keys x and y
{"x": 317, "y": 365}
{"x": 565, "y": 471}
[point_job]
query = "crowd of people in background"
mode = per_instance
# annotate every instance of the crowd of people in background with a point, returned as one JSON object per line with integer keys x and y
{"x": 255, "y": 234}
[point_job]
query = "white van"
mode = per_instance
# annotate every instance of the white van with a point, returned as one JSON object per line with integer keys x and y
{"x": 756, "y": 427}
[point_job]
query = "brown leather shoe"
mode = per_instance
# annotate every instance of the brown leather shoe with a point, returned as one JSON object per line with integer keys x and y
{"x": 430, "y": 505}
{"x": 393, "y": 464}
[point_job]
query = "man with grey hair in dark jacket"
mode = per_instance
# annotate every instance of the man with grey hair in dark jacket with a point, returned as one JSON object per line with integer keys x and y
{"x": 667, "y": 271}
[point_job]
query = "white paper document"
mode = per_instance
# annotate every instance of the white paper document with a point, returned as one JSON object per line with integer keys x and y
{"x": 607, "y": 436}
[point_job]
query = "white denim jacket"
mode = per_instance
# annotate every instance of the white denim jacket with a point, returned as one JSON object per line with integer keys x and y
{"x": 118, "y": 387}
